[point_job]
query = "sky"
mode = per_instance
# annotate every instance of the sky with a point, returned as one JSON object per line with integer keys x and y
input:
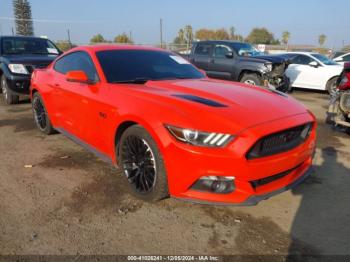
{"x": 304, "y": 19}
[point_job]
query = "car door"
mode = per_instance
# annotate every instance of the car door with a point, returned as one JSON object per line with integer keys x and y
{"x": 304, "y": 75}
{"x": 202, "y": 55}
{"x": 221, "y": 63}
{"x": 73, "y": 100}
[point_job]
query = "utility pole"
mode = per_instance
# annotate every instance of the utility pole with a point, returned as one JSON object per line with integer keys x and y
{"x": 69, "y": 42}
{"x": 130, "y": 35}
{"x": 13, "y": 31}
{"x": 161, "y": 33}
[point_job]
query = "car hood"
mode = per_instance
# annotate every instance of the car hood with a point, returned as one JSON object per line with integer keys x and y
{"x": 30, "y": 59}
{"x": 272, "y": 58}
{"x": 234, "y": 105}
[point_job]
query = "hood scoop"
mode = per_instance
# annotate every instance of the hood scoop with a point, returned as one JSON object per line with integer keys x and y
{"x": 200, "y": 100}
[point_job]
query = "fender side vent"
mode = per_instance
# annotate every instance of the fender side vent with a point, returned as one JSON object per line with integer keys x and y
{"x": 200, "y": 100}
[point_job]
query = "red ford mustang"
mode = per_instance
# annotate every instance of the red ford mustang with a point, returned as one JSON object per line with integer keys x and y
{"x": 172, "y": 130}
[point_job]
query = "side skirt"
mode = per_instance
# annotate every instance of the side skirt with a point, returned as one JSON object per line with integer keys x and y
{"x": 91, "y": 149}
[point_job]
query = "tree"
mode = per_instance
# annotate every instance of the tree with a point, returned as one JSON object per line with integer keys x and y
{"x": 23, "y": 17}
{"x": 180, "y": 38}
{"x": 322, "y": 39}
{"x": 97, "y": 39}
{"x": 123, "y": 38}
{"x": 207, "y": 34}
{"x": 184, "y": 36}
{"x": 188, "y": 34}
{"x": 285, "y": 37}
{"x": 260, "y": 36}
{"x": 232, "y": 32}
{"x": 64, "y": 45}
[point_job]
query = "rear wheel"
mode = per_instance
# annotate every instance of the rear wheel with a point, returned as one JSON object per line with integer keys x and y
{"x": 142, "y": 164}
{"x": 251, "y": 79}
{"x": 332, "y": 85}
{"x": 41, "y": 117}
{"x": 9, "y": 97}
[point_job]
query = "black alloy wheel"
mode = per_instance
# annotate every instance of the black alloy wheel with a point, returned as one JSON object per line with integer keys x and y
{"x": 139, "y": 164}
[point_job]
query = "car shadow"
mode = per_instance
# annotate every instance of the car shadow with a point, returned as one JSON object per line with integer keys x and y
{"x": 322, "y": 220}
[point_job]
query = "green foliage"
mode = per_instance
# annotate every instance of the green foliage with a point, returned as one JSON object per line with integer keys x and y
{"x": 219, "y": 34}
{"x": 23, "y": 17}
{"x": 184, "y": 36}
{"x": 123, "y": 39}
{"x": 260, "y": 36}
{"x": 64, "y": 45}
{"x": 98, "y": 39}
{"x": 322, "y": 39}
{"x": 285, "y": 37}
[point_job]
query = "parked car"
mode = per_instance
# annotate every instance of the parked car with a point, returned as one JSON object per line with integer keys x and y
{"x": 312, "y": 71}
{"x": 19, "y": 56}
{"x": 338, "y": 113}
{"x": 171, "y": 129}
{"x": 342, "y": 59}
{"x": 241, "y": 62}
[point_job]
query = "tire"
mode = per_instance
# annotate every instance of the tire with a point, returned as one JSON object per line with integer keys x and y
{"x": 41, "y": 118}
{"x": 332, "y": 85}
{"x": 9, "y": 97}
{"x": 251, "y": 79}
{"x": 142, "y": 164}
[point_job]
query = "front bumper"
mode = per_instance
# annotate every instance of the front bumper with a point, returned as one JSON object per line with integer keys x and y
{"x": 19, "y": 84}
{"x": 186, "y": 164}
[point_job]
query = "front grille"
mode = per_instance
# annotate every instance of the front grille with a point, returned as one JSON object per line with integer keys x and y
{"x": 267, "y": 180}
{"x": 280, "y": 142}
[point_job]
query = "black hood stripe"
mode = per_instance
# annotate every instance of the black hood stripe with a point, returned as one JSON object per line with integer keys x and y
{"x": 200, "y": 100}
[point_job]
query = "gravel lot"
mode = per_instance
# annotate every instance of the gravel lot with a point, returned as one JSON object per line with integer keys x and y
{"x": 56, "y": 198}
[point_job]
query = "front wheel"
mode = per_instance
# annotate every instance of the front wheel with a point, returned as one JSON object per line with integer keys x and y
{"x": 251, "y": 79}
{"x": 9, "y": 97}
{"x": 142, "y": 164}
{"x": 41, "y": 117}
{"x": 332, "y": 85}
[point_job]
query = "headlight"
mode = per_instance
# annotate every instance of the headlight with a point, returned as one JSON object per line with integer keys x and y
{"x": 268, "y": 67}
{"x": 18, "y": 69}
{"x": 199, "y": 138}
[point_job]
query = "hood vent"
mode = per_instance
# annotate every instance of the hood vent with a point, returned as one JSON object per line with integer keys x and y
{"x": 200, "y": 100}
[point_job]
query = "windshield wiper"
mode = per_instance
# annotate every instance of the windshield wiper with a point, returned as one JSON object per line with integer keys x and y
{"x": 140, "y": 81}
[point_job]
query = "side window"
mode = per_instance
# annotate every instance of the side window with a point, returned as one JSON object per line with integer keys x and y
{"x": 302, "y": 60}
{"x": 77, "y": 61}
{"x": 346, "y": 58}
{"x": 220, "y": 51}
{"x": 203, "y": 49}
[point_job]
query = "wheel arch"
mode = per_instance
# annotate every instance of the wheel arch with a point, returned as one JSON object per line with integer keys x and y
{"x": 248, "y": 71}
{"x": 130, "y": 121}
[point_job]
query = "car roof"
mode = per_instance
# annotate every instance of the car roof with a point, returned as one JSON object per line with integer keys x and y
{"x": 219, "y": 42}
{"x": 108, "y": 47}
{"x": 23, "y": 37}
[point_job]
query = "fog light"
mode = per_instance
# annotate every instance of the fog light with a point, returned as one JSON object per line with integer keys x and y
{"x": 215, "y": 184}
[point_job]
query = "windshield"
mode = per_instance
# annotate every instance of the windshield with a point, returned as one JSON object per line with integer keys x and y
{"x": 144, "y": 65}
{"x": 244, "y": 49}
{"x": 13, "y": 45}
{"x": 324, "y": 59}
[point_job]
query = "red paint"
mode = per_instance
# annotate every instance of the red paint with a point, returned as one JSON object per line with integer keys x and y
{"x": 251, "y": 114}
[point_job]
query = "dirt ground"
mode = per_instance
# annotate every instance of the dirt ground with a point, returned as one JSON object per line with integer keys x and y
{"x": 69, "y": 202}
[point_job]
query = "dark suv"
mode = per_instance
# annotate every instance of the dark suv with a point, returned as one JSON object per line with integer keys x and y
{"x": 242, "y": 62}
{"x": 19, "y": 56}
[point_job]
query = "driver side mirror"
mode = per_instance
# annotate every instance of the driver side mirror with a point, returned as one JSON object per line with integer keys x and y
{"x": 229, "y": 55}
{"x": 314, "y": 64}
{"x": 78, "y": 77}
